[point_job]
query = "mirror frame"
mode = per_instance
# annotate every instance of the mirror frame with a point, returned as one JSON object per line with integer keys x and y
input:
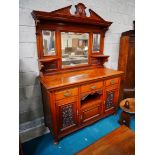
{"x": 62, "y": 20}
{"x": 54, "y": 44}
{"x": 96, "y": 52}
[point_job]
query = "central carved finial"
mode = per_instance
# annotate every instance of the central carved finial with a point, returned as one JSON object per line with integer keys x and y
{"x": 80, "y": 10}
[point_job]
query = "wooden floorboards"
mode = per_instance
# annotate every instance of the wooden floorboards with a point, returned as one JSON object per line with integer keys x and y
{"x": 119, "y": 142}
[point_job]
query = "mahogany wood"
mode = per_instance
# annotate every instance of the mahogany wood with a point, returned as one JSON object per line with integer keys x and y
{"x": 62, "y": 20}
{"x": 65, "y": 89}
{"x": 127, "y": 62}
{"x": 119, "y": 142}
{"x": 74, "y": 97}
{"x": 77, "y": 77}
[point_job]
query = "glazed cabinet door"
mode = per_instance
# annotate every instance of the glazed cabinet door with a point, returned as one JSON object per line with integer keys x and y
{"x": 66, "y": 114}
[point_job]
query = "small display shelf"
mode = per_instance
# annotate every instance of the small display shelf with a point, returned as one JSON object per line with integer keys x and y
{"x": 48, "y": 59}
{"x": 90, "y": 99}
{"x": 100, "y": 56}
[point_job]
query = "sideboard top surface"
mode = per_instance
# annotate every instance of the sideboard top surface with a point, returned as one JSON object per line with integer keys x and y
{"x": 76, "y": 77}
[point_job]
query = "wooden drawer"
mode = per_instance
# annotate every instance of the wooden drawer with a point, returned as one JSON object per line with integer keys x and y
{"x": 112, "y": 81}
{"x": 113, "y": 87}
{"x": 66, "y": 93}
{"x": 91, "y": 87}
{"x": 91, "y": 113}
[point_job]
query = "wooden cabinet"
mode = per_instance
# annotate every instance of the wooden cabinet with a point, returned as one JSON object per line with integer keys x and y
{"x": 76, "y": 105}
{"x": 127, "y": 62}
{"x": 77, "y": 89}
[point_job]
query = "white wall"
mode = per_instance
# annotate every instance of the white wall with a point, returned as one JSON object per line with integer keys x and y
{"x": 120, "y": 12}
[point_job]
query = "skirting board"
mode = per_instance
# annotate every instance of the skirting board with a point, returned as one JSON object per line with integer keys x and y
{"x": 32, "y": 129}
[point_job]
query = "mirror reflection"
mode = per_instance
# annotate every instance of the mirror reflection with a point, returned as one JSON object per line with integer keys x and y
{"x": 96, "y": 42}
{"x": 48, "y": 42}
{"x": 74, "y": 48}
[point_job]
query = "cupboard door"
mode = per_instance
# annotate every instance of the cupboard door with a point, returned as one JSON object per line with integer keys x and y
{"x": 66, "y": 114}
{"x": 111, "y": 99}
{"x": 91, "y": 113}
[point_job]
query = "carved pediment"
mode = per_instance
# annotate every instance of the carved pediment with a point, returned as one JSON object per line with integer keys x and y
{"x": 95, "y": 15}
{"x": 64, "y": 15}
{"x": 80, "y": 10}
{"x": 63, "y": 11}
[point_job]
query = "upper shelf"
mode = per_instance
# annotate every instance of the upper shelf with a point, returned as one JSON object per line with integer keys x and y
{"x": 100, "y": 56}
{"x": 64, "y": 15}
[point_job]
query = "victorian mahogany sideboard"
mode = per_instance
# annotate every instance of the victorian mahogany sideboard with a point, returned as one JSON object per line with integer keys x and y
{"x": 77, "y": 90}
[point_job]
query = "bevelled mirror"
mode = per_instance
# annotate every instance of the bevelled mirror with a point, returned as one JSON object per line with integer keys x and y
{"x": 74, "y": 47}
{"x": 48, "y": 42}
{"x": 96, "y": 42}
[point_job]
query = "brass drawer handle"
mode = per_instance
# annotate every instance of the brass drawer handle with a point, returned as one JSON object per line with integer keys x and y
{"x": 93, "y": 87}
{"x": 67, "y": 94}
{"x": 112, "y": 81}
{"x": 81, "y": 117}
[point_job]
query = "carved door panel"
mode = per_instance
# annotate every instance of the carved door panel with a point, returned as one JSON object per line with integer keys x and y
{"x": 67, "y": 114}
{"x": 111, "y": 99}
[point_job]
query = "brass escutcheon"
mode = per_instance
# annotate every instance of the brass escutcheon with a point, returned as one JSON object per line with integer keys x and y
{"x": 112, "y": 81}
{"x": 93, "y": 87}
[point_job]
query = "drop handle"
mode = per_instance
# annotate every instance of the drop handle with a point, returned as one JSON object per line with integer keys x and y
{"x": 81, "y": 117}
{"x": 78, "y": 112}
{"x": 93, "y": 87}
{"x": 67, "y": 94}
{"x": 112, "y": 81}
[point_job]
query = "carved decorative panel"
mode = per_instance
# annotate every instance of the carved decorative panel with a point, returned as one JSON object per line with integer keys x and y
{"x": 93, "y": 94}
{"x": 67, "y": 116}
{"x": 109, "y": 100}
{"x": 80, "y": 10}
